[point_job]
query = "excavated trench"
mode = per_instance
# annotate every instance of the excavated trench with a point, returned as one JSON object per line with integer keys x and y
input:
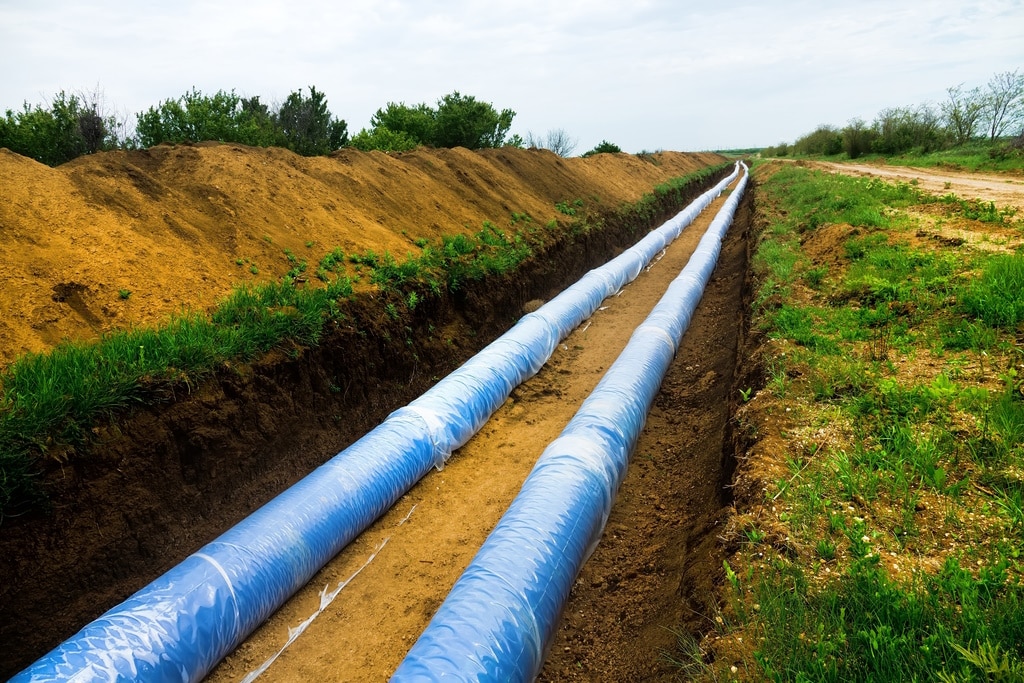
{"x": 651, "y": 573}
{"x": 163, "y": 482}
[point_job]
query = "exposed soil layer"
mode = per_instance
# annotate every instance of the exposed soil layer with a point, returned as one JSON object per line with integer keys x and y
{"x": 123, "y": 238}
{"x": 157, "y": 485}
{"x": 655, "y": 563}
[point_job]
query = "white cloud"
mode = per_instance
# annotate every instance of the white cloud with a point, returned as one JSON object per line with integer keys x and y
{"x": 644, "y": 74}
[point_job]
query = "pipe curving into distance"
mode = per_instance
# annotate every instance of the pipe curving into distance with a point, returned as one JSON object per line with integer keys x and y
{"x": 499, "y": 619}
{"x": 180, "y": 625}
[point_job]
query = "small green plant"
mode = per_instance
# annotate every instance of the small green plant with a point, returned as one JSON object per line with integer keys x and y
{"x": 565, "y": 208}
{"x": 687, "y": 658}
{"x": 332, "y": 262}
{"x": 367, "y": 258}
{"x": 814, "y": 276}
{"x": 989, "y": 661}
{"x": 754, "y": 535}
{"x": 254, "y": 270}
{"x": 826, "y": 549}
{"x": 125, "y": 294}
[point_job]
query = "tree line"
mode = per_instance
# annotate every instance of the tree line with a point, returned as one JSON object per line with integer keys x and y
{"x": 80, "y": 123}
{"x": 992, "y": 113}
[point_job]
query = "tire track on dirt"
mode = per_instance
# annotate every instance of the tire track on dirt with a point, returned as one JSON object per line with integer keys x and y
{"x": 428, "y": 538}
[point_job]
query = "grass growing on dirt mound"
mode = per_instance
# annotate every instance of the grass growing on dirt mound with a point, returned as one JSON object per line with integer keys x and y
{"x": 881, "y": 507}
{"x": 49, "y": 402}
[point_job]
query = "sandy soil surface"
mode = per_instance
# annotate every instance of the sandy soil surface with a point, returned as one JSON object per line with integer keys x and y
{"x": 399, "y": 571}
{"x": 126, "y": 238}
{"x": 1004, "y": 190}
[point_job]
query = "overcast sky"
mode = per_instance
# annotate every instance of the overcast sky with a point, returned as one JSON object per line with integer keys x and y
{"x": 644, "y": 74}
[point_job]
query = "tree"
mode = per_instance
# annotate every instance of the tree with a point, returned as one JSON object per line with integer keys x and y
{"x": 557, "y": 140}
{"x": 901, "y": 129}
{"x": 68, "y": 128}
{"x": 458, "y": 121}
{"x": 464, "y": 121}
{"x": 195, "y": 117}
{"x": 962, "y": 111}
{"x": 307, "y": 126}
{"x": 779, "y": 150}
{"x": 857, "y": 138}
{"x": 302, "y": 124}
{"x": 1004, "y": 102}
{"x": 603, "y": 147}
{"x": 825, "y": 140}
{"x": 414, "y": 123}
{"x": 256, "y": 123}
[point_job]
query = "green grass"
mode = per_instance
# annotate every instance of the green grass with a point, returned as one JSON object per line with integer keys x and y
{"x": 997, "y": 297}
{"x": 975, "y": 156}
{"x": 49, "y": 402}
{"x": 864, "y": 626}
{"x": 896, "y": 365}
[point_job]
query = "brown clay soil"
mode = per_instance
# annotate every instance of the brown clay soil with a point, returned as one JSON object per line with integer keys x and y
{"x": 655, "y": 558}
{"x": 168, "y": 225}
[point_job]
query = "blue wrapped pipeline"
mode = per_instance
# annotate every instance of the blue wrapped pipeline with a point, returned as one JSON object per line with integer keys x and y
{"x": 500, "y": 616}
{"x": 179, "y": 626}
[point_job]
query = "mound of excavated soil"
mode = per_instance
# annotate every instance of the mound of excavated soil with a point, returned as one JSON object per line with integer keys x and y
{"x": 126, "y": 238}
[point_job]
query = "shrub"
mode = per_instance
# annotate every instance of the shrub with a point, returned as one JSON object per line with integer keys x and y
{"x": 307, "y": 127}
{"x": 69, "y": 128}
{"x": 458, "y": 121}
{"x": 603, "y": 147}
{"x": 302, "y": 124}
{"x": 557, "y": 140}
{"x": 383, "y": 139}
{"x": 826, "y": 140}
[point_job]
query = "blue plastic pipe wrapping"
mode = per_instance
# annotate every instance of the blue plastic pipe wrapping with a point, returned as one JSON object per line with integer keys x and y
{"x": 498, "y": 620}
{"x": 179, "y": 626}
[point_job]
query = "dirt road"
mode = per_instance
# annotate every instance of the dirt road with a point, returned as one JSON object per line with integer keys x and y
{"x": 1004, "y": 190}
{"x": 399, "y": 571}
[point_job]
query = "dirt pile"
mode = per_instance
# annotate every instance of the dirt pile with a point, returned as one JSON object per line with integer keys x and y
{"x": 168, "y": 226}
{"x": 126, "y": 238}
